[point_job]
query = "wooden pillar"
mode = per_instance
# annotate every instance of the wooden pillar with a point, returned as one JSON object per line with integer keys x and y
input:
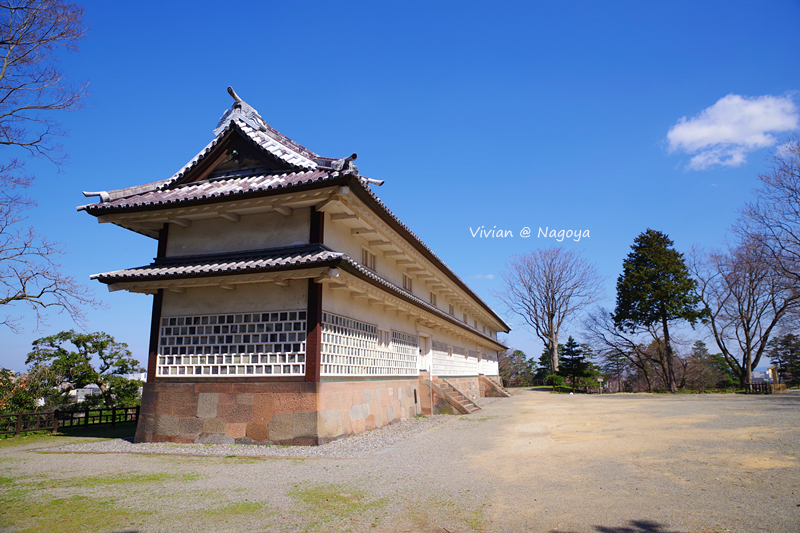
{"x": 155, "y": 317}
{"x": 314, "y": 308}
{"x": 314, "y": 337}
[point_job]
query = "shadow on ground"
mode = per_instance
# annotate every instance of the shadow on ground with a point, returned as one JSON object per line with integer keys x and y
{"x": 635, "y": 526}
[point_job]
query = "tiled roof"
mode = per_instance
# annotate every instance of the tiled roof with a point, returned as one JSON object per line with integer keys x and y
{"x": 214, "y": 188}
{"x": 310, "y": 169}
{"x": 226, "y": 263}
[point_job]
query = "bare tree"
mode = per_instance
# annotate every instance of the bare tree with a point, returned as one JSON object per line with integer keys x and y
{"x": 774, "y": 219}
{"x": 547, "y": 288}
{"x": 644, "y": 351}
{"x": 747, "y": 297}
{"x": 31, "y": 88}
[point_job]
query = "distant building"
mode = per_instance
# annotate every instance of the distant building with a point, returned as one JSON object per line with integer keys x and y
{"x": 290, "y": 305}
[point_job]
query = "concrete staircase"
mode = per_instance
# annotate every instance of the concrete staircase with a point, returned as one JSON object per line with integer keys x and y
{"x": 498, "y": 389}
{"x": 460, "y": 402}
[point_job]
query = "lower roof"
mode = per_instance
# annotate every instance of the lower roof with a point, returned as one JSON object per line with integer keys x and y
{"x": 284, "y": 258}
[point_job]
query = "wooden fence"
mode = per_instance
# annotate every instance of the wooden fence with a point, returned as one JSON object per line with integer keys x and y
{"x": 52, "y": 420}
{"x": 24, "y": 422}
{"x": 764, "y": 388}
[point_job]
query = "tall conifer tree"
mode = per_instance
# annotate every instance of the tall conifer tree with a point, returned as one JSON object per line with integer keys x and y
{"x": 655, "y": 289}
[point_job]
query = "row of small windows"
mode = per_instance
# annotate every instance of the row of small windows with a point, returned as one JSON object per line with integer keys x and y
{"x": 233, "y": 344}
{"x": 353, "y": 347}
{"x": 368, "y": 259}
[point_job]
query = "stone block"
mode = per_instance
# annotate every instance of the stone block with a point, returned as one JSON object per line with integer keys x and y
{"x": 390, "y": 414}
{"x": 207, "y": 404}
{"x": 364, "y": 410}
{"x": 213, "y": 425}
{"x": 149, "y": 400}
{"x": 161, "y": 438}
{"x": 330, "y": 424}
{"x": 226, "y": 399}
{"x": 281, "y": 427}
{"x": 370, "y": 422}
{"x": 305, "y": 424}
{"x": 166, "y": 425}
{"x": 235, "y": 430}
{"x": 181, "y": 404}
{"x": 262, "y": 407}
{"x": 235, "y": 413}
{"x": 245, "y": 398}
{"x": 214, "y": 438}
{"x": 257, "y": 432}
{"x": 332, "y": 401}
{"x": 142, "y": 437}
{"x": 190, "y": 428}
{"x": 367, "y": 396}
{"x": 214, "y": 387}
{"x": 355, "y": 412}
{"x": 146, "y": 423}
{"x": 295, "y": 402}
{"x": 289, "y": 426}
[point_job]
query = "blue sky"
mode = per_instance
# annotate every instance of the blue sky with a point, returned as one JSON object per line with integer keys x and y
{"x": 606, "y": 117}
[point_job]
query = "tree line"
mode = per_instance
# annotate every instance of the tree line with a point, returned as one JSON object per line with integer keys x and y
{"x": 746, "y": 297}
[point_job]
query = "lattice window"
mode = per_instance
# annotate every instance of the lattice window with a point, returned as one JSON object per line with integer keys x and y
{"x": 452, "y": 310}
{"x": 439, "y": 347}
{"x": 465, "y": 318}
{"x": 368, "y": 259}
{"x": 433, "y": 298}
{"x": 407, "y": 283}
{"x": 240, "y": 344}
{"x": 353, "y": 348}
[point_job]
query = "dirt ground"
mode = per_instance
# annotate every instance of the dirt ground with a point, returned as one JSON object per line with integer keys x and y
{"x": 535, "y": 462}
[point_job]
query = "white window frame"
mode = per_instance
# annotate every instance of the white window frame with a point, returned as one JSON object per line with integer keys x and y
{"x": 368, "y": 259}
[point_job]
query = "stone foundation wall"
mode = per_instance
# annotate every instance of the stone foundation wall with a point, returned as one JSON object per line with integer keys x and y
{"x": 289, "y": 413}
{"x": 488, "y": 391}
{"x": 348, "y": 408}
{"x": 467, "y": 386}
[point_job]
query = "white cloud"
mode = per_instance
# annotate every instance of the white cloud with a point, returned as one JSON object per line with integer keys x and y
{"x": 483, "y": 276}
{"x": 723, "y": 134}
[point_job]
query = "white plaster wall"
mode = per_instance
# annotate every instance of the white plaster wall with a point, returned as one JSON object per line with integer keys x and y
{"x": 340, "y": 303}
{"x": 251, "y": 232}
{"x": 339, "y": 238}
{"x": 489, "y": 365}
{"x": 251, "y": 297}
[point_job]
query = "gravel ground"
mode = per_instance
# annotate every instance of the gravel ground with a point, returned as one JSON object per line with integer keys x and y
{"x": 535, "y": 462}
{"x": 356, "y": 446}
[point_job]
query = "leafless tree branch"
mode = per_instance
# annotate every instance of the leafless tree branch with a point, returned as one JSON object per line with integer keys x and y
{"x": 547, "y": 288}
{"x": 31, "y": 88}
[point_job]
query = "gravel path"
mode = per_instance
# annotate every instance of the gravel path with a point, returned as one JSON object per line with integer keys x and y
{"x": 375, "y": 441}
{"x": 535, "y": 462}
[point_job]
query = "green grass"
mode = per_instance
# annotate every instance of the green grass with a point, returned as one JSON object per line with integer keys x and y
{"x": 327, "y": 502}
{"x": 481, "y": 419}
{"x": 237, "y": 509}
{"x": 114, "y": 479}
{"x": 68, "y": 435}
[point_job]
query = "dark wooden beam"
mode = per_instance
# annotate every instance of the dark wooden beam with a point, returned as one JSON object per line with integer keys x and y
{"x": 317, "y": 227}
{"x": 314, "y": 334}
{"x": 155, "y": 317}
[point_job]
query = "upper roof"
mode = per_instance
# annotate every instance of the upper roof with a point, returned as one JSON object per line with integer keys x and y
{"x": 247, "y": 158}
